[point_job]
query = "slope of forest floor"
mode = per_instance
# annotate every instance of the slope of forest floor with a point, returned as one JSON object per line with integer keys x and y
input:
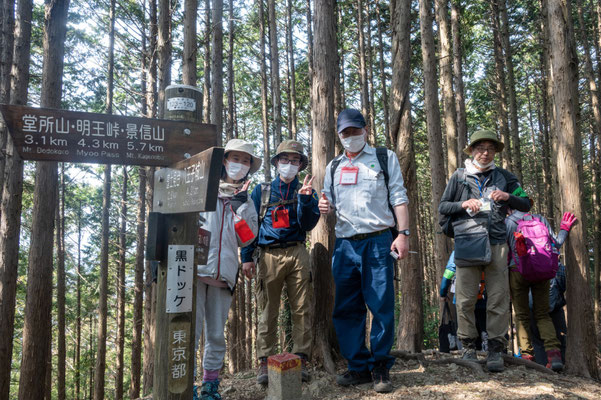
{"x": 413, "y": 380}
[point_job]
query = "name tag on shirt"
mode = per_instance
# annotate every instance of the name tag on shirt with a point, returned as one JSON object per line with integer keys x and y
{"x": 348, "y": 175}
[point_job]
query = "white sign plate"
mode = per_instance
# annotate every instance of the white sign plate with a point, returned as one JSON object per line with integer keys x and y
{"x": 181, "y": 104}
{"x": 180, "y": 278}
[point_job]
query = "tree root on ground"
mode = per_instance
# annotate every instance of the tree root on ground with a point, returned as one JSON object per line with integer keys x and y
{"x": 475, "y": 366}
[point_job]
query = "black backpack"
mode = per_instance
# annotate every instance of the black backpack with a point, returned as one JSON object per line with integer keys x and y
{"x": 382, "y": 155}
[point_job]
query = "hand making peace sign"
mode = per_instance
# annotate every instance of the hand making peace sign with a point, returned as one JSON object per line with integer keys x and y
{"x": 307, "y": 187}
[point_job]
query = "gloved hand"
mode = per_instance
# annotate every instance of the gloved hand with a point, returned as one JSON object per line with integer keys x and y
{"x": 520, "y": 244}
{"x": 567, "y": 221}
{"x": 239, "y": 199}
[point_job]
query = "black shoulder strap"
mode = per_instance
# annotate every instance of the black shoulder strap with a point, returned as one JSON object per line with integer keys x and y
{"x": 333, "y": 167}
{"x": 463, "y": 185}
{"x": 382, "y": 154}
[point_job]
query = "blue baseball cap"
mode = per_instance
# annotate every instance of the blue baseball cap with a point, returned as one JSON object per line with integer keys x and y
{"x": 350, "y": 118}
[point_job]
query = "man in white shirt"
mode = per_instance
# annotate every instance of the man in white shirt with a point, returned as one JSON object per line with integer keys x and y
{"x": 367, "y": 199}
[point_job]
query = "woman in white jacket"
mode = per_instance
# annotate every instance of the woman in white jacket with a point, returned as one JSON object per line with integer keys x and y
{"x": 233, "y": 224}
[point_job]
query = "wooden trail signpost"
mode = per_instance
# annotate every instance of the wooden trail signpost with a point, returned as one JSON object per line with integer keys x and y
{"x": 187, "y": 186}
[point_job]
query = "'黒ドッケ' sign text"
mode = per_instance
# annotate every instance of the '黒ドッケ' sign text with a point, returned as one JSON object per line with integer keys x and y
{"x": 57, "y": 135}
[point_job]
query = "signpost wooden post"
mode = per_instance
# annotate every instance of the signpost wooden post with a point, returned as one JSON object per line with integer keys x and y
{"x": 180, "y": 192}
{"x": 188, "y": 186}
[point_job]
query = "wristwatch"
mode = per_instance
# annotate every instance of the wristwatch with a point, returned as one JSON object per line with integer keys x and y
{"x": 404, "y": 232}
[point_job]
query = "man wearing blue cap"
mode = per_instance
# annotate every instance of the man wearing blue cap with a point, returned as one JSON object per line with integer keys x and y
{"x": 364, "y": 186}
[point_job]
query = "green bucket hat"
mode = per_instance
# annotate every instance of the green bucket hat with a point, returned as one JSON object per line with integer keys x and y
{"x": 291, "y": 146}
{"x": 484, "y": 134}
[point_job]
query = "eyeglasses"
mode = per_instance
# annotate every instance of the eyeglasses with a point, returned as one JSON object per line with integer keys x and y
{"x": 484, "y": 149}
{"x": 285, "y": 160}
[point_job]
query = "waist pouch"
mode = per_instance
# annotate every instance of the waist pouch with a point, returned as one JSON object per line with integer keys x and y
{"x": 472, "y": 244}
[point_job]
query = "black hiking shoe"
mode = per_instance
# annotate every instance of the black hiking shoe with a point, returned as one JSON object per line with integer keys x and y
{"x": 262, "y": 372}
{"x": 494, "y": 360}
{"x": 381, "y": 378}
{"x": 304, "y": 371}
{"x": 469, "y": 350}
{"x": 353, "y": 378}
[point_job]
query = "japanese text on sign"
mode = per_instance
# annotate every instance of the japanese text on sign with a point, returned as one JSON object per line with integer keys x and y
{"x": 179, "y": 352}
{"x": 180, "y": 278}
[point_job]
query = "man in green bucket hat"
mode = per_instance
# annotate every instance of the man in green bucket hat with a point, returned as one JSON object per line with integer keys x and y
{"x": 287, "y": 210}
{"x": 473, "y": 208}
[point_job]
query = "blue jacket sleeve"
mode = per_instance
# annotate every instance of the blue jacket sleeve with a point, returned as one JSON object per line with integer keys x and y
{"x": 246, "y": 253}
{"x": 307, "y": 211}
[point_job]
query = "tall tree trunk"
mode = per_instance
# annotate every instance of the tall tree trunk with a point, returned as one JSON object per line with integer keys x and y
{"x": 310, "y": 61}
{"x": 7, "y": 25}
{"x": 458, "y": 75}
{"x": 437, "y": 167}
{"x": 136, "y": 342}
{"x": 10, "y": 211}
{"x": 61, "y": 287}
{"x": 291, "y": 72}
{"x": 206, "y": 88}
{"x": 324, "y": 128}
{"x": 99, "y": 378}
{"x": 164, "y": 46}
{"x": 535, "y": 159}
{"x": 217, "y": 69}
{"x": 190, "y": 40}
{"x": 582, "y": 351}
{"x": 446, "y": 82}
{"x": 410, "y": 328}
{"x": 151, "y": 95}
{"x": 103, "y": 290}
{"x": 37, "y": 325}
{"x": 229, "y": 132}
{"x": 149, "y": 301}
{"x": 383, "y": 80}
{"x": 361, "y": 55}
{"x": 264, "y": 106}
{"x": 514, "y": 127}
{"x": 501, "y": 93}
{"x": 78, "y": 310}
{"x": 121, "y": 290}
{"x": 274, "y": 58}
{"x": 370, "y": 76}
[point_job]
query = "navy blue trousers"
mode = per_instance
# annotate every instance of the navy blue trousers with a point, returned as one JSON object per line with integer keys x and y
{"x": 363, "y": 273}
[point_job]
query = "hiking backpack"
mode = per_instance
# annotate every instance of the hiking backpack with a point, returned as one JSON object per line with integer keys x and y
{"x": 538, "y": 257}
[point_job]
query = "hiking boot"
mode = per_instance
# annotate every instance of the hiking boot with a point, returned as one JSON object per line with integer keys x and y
{"x": 469, "y": 350}
{"x": 554, "y": 360}
{"x": 210, "y": 390}
{"x": 528, "y": 357}
{"x": 195, "y": 393}
{"x": 353, "y": 378}
{"x": 262, "y": 372}
{"x": 494, "y": 360}
{"x": 381, "y": 378}
{"x": 469, "y": 354}
{"x": 304, "y": 372}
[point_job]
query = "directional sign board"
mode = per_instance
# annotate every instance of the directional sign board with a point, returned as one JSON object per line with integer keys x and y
{"x": 190, "y": 185}
{"x": 44, "y": 134}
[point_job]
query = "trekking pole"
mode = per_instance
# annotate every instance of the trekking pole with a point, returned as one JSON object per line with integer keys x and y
{"x": 511, "y": 327}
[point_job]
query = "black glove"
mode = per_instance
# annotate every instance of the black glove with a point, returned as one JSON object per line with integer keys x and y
{"x": 239, "y": 199}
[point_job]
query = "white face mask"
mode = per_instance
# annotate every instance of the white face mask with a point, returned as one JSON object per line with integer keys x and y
{"x": 353, "y": 144}
{"x": 236, "y": 171}
{"x": 483, "y": 166}
{"x": 287, "y": 171}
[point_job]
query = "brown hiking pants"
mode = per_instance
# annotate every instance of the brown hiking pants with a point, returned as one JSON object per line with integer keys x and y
{"x": 290, "y": 266}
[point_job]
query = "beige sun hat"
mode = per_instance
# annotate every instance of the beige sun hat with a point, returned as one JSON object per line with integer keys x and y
{"x": 245, "y": 147}
{"x": 291, "y": 146}
{"x": 484, "y": 134}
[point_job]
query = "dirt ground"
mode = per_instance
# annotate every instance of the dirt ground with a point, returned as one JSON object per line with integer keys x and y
{"x": 446, "y": 381}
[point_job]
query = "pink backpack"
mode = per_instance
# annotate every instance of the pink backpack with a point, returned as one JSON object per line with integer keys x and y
{"x": 539, "y": 260}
